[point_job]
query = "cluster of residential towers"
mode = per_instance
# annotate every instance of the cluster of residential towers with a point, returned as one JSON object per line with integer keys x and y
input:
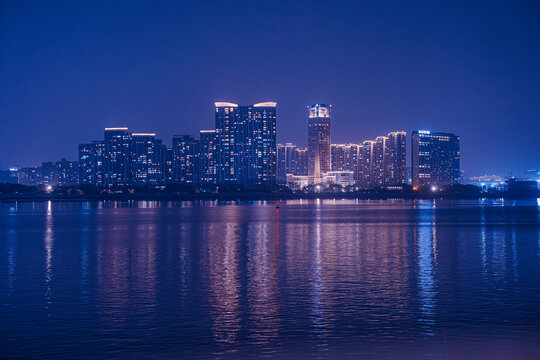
{"x": 242, "y": 150}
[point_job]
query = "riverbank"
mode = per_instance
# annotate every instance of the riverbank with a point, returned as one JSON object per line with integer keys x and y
{"x": 244, "y": 196}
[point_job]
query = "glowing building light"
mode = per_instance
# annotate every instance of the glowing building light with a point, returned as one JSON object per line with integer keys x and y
{"x": 265, "y": 104}
{"x": 225, "y": 104}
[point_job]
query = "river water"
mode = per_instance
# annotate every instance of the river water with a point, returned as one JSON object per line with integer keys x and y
{"x": 313, "y": 279}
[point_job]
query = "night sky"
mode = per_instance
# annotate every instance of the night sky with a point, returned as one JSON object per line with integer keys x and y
{"x": 69, "y": 69}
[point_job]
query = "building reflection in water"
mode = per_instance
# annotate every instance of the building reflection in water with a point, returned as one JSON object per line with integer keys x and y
{"x": 483, "y": 245}
{"x": 49, "y": 244}
{"x": 126, "y": 265}
{"x": 112, "y": 270}
{"x": 11, "y": 261}
{"x": 514, "y": 255}
{"x": 262, "y": 282}
{"x": 426, "y": 242}
{"x": 86, "y": 220}
{"x": 222, "y": 268}
{"x": 317, "y": 282}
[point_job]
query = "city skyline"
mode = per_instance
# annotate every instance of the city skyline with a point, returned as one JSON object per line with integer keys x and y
{"x": 168, "y": 140}
{"x": 313, "y": 112}
{"x": 242, "y": 150}
{"x": 70, "y": 69}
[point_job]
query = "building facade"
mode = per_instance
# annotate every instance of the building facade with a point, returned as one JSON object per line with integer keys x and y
{"x": 318, "y": 140}
{"x": 117, "y": 160}
{"x": 396, "y": 163}
{"x": 67, "y": 172}
{"x": 91, "y": 158}
{"x": 245, "y": 141}
{"x": 345, "y": 157}
{"x": 382, "y": 162}
{"x": 30, "y": 176}
{"x": 146, "y": 159}
{"x": 435, "y": 159}
{"x": 207, "y": 160}
{"x": 124, "y": 159}
{"x": 185, "y": 159}
{"x": 167, "y": 164}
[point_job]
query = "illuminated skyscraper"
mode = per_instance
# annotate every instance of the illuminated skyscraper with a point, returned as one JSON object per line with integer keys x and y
{"x": 286, "y": 161}
{"x": 435, "y": 159}
{"x": 147, "y": 159}
{"x": 122, "y": 159}
{"x": 9, "y": 176}
{"x": 291, "y": 160}
{"x": 301, "y": 162}
{"x": 67, "y": 172}
{"x": 91, "y": 157}
{"x": 167, "y": 164}
{"x": 49, "y": 173}
{"x": 344, "y": 157}
{"x": 382, "y": 162}
{"x": 318, "y": 140}
{"x": 185, "y": 159}
{"x": 117, "y": 162}
{"x": 365, "y": 161}
{"x": 207, "y": 161}
{"x": 30, "y": 176}
{"x": 378, "y": 157}
{"x": 246, "y": 144}
{"x": 396, "y": 159}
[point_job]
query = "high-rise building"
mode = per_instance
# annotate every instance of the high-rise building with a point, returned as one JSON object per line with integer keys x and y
{"x": 167, "y": 164}
{"x": 207, "y": 161}
{"x": 91, "y": 157}
{"x": 185, "y": 159}
{"x": 117, "y": 159}
{"x": 67, "y": 172}
{"x": 246, "y": 144}
{"x": 378, "y": 161}
{"x": 49, "y": 173}
{"x": 286, "y": 161}
{"x": 396, "y": 160}
{"x": 291, "y": 160}
{"x": 30, "y": 176}
{"x": 344, "y": 157}
{"x": 301, "y": 162}
{"x": 147, "y": 157}
{"x": 318, "y": 140}
{"x": 9, "y": 176}
{"x": 365, "y": 161}
{"x": 382, "y": 162}
{"x": 435, "y": 159}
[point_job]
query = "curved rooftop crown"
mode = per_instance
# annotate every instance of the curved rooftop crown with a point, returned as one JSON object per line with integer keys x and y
{"x": 265, "y": 104}
{"x": 319, "y": 111}
{"x": 225, "y": 104}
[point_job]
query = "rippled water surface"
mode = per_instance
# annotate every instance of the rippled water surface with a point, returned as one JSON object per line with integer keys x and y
{"x": 312, "y": 279}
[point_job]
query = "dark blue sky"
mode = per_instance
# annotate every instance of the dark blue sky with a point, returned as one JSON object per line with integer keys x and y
{"x": 68, "y": 69}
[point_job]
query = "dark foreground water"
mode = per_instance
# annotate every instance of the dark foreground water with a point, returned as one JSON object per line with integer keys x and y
{"x": 316, "y": 279}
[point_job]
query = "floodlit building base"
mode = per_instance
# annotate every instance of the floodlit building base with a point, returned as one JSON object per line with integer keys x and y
{"x": 343, "y": 178}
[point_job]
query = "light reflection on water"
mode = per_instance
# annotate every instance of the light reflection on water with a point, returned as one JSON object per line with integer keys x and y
{"x": 312, "y": 279}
